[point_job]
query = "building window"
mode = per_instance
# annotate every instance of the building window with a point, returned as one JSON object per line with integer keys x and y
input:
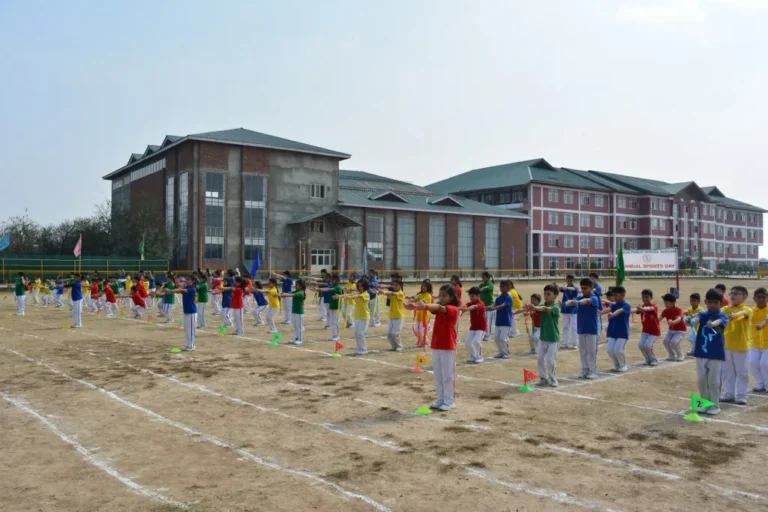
{"x": 554, "y": 241}
{"x": 437, "y": 242}
{"x": 599, "y": 221}
{"x": 317, "y": 191}
{"x": 492, "y": 243}
{"x": 374, "y": 238}
{"x": 552, "y": 263}
{"x": 466, "y": 244}
{"x": 633, "y": 203}
{"x": 324, "y": 258}
{"x": 599, "y": 242}
{"x": 214, "y": 215}
{"x": 654, "y": 243}
{"x": 622, "y": 202}
{"x": 630, "y": 243}
{"x": 633, "y": 224}
{"x": 184, "y": 216}
{"x": 585, "y": 199}
{"x": 553, "y": 220}
{"x": 406, "y": 242}
{"x": 553, "y": 195}
{"x": 695, "y": 212}
{"x": 504, "y": 198}
{"x": 568, "y": 242}
{"x": 517, "y": 196}
{"x": 662, "y": 205}
{"x": 170, "y": 204}
{"x": 255, "y": 217}
{"x": 662, "y": 224}
{"x": 568, "y": 197}
{"x": 654, "y": 223}
{"x": 585, "y": 221}
{"x": 743, "y": 249}
{"x": 599, "y": 200}
{"x": 653, "y": 204}
{"x": 317, "y": 226}
{"x": 488, "y": 198}
{"x": 568, "y": 219}
{"x": 584, "y": 242}
{"x": 569, "y": 263}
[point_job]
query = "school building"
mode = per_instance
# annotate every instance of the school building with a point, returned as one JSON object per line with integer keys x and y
{"x": 229, "y": 195}
{"x": 579, "y": 217}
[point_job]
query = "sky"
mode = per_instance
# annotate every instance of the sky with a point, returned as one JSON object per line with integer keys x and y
{"x": 418, "y": 90}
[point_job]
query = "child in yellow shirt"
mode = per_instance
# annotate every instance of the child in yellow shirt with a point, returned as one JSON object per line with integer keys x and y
{"x": 517, "y": 305}
{"x": 690, "y": 319}
{"x": 421, "y": 318}
{"x": 758, "y": 354}
{"x": 738, "y": 335}
{"x": 273, "y": 298}
{"x": 396, "y": 313}
{"x": 36, "y": 289}
{"x": 348, "y": 306}
{"x": 362, "y": 314}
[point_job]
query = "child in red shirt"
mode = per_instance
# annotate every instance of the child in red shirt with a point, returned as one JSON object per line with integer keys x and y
{"x": 477, "y": 325}
{"x": 446, "y": 311}
{"x": 139, "y": 305}
{"x": 649, "y": 317}
{"x": 110, "y": 300}
{"x": 533, "y": 336}
{"x": 721, "y": 288}
{"x": 95, "y": 297}
{"x": 238, "y": 303}
{"x": 216, "y": 299}
{"x": 676, "y": 322}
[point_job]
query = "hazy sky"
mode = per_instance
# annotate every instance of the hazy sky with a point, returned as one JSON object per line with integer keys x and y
{"x": 418, "y": 90}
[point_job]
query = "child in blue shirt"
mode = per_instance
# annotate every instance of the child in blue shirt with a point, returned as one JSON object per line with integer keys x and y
{"x": 618, "y": 328}
{"x": 504, "y": 318}
{"x": 598, "y": 291}
{"x": 374, "y": 305}
{"x": 570, "y": 291}
{"x": 288, "y": 283}
{"x": 261, "y": 303}
{"x": 188, "y": 291}
{"x": 709, "y": 350}
{"x": 587, "y": 327}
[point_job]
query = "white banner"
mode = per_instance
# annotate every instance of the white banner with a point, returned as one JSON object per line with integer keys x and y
{"x": 650, "y": 261}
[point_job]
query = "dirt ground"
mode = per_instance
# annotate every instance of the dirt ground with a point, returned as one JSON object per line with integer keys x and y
{"x": 106, "y": 418}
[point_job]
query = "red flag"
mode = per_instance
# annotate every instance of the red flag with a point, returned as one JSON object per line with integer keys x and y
{"x": 79, "y": 247}
{"x": 528, "y": 376}
{"x": 339, "y": 346}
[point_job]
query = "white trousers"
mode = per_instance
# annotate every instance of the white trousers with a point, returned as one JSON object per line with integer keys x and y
{"x": 393, "y": 332}
{"x": 475, "y": 344}
{"x": 348, "y": 312}
{"x": 547, "y": 359}
{"x": 502, "y": 339}
{"x": 150, "y": 299}
{"x": 271, "y": 319}
{"x": 646, "y": 346}
{"x": 47, "y": 299}
{"x": 736, "y": 374}
{"x": 708, "y": 372}
{"x": 421, "y": 331}
{"x": 190, "y": 328}
{"x": 672, "y": 343}
{"x": 137, "y": 310}
{"x": 444, "y": 366}
{"x": 59, "y": 303}
{"x": 201, "y": 319}
{"x": 374, "y": 306}
{"x": 490, "y": 318}
{"x": 533, "y": 338}
{"x": 514, "y": 332}
{"x": 333, "y": 321}
{"x": 112, "y": 308}
{"x": 287, "y": 308}
{"x": 226, "y": 315}
{"x": 360, "y": 327}
{"x": 21, "y": 301}
{"x": 238, "y": 316}
{"x": 35, "y": 294}
{"x": 216, "y": 304}
{"x": 168, "y": 312}
{"x": 323, "y": 309}
{"x": 570, "y": 337}
{"x": 77, "y": 312}
{"x": 257, "y": 311}
{"x": 617, "y": 352}
{"x": 298, "y": 327}
{"x": 758, "y": 360}
{"x": 588, "y": 353}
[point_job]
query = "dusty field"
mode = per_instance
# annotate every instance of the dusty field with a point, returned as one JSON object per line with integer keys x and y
{"x": 105, "y": 418}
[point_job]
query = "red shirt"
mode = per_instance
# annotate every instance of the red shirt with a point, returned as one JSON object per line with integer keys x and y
{"x": 138, "y": 300}
{"x": 650, "y": 321}
{"x": 237, "y": 298}
{"x": 110, "y": 293}
{"x": 216, "y": 283}
{"x": 94, "y": 291}
{"x": 725, "y": 302}
{"x": 674, "y": 314}
{"x": 536, "y": 317}
{"x": 444, "y": 331}
{"x": 477, "y": 321}
{"x": 458, "y": 292}
{"x": 142, "y": 290}
{"x": 248, "y": 284}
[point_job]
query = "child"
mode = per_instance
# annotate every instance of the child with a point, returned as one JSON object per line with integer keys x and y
{"x": 517, "y": 306}
{"x": 59, "y": 292}
{"x": 486, "y": 295}
{"x": 548, "y": 336}
{"x": 720, "y": 287}
{"x": 362, "y": 314}
{"x": 649, "y": 318}
{"x": 533, "y": 335}
{"x": 110, "y": 301}
{"x": 443, "y": 345}
{"x": 128, "y": 288}
{"x": 504, "y": 319}
{"x": 169, "y": 297}
{"x": 261, "y": 303}
{"x": 227, "y": 283}
{"x": 478, "y": 325}
{"x": 421, "y": 318}
{"x": 238, "y": 304}
{"x": 677, "y": 328}
{"x": 456, "y": 283}
{"x": 710, "y": 350}
{"x": 618, "y": 328}
{"x": 273, "y": 298}
{"x": 139, "y": 305}
{"x": 690, "y": 314}
{"x": 396, "y": 299}
{"x": 188, "y": 296}
{"x": 333, "y": 305}
{"x": 36, "y": 289}
{"x": 348, "y": 307}
{"x": 738, "y": 337}
{"x": 297, "y": 314}
{"x": 77, "y": 300}
{"x": 323, "y": 306}
{"x": 285, "y": 277}
{"x": 47, "y": 294}
{"x": 598, "y": 290}
{"x": 216, "y": 283}
{"x": 375, "y": 304}
{"x": 152, "y": 289}
{"x": 586, "y": 327}
{"x": 570, "y": 292}
{"x": 202, "y": 300}
{"x": 758, "y": 354}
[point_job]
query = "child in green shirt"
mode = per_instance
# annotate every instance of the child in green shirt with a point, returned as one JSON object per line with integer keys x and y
{"x": 549, "y": 336}
{"x": 297, "y": 311}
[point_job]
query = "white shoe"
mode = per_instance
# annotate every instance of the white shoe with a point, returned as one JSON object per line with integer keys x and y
{"x": 479, "y": 360}
{"x": 653, "y": 363}
{"x": 436, "y": 404}
{"x": 713, "y": 411}
{"x": 554, "y": 383}
{"x": 446, "y": 407}
{"x": 591, "y": 376}
{"x": 361, "y": 352}
{"x": 188, "y": 349}
{"x": 295, "y": 342}
{"x": 287, "y": 322}
{"x": 335, "y": 338}
{"x": 622, "y": 369}
{"x": 505, "y": 356}
{"x": 542, "y": 383}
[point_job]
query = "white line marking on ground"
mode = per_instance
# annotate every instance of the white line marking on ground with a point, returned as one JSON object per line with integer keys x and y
{"x": 90, "y": 457}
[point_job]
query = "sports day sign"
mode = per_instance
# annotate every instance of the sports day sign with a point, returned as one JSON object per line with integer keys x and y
{"x": 650, "y": 261}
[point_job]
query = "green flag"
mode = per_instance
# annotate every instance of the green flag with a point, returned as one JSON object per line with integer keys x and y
{"x": 620, "y": 272}
{"x": 699, "y": 403}
{"x": 141, "y": 248}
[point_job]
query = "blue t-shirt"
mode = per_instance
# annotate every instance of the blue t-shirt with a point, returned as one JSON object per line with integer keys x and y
{"x": 504, "y": 315}
{"x": 569, "y": 293}
{"x": 287, "y": 285}
{"x": 599, "y": 292}
{"x": 260, "y": 299}
{"x": 327, "y": 295}
{"x": 188, "y": 300}
{"x": 77, "y": 290}
{"x": 618, "y": 328}
{"x": 586, "y": 317}
{"x": 151, "y": 283}
{"x": 226, "y": 297}
{"x": 59, "y": 287}
{"x": 710, "y": 342}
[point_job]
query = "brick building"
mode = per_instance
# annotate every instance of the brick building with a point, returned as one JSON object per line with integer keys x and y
{"x": 229, "y": 195}
{"x": 578, "y": 218}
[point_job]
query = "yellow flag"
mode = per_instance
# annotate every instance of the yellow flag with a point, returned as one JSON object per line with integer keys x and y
{"x": 421, "y": 359}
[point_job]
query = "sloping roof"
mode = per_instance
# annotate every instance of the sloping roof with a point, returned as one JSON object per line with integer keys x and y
{"x": 506, "y": 175}
{"x": 334, "y": 214}
{"x": 134, "y": 158}
{"x": 712, "y": 191}
{"x": 599, "y": 180}
{"x": 356, "y": 188}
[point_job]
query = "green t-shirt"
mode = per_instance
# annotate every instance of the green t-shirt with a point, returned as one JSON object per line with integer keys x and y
{"x": 336, "y": 290}
{"x": 202, "y": 292}
{"x": 21, "y": 288}
{"x": 116, "y": 288}
{"x": 550, "y": 325}
{"x": 298, "y": 302}
{"x": 169, "y": 298}
{"x": 486, "y": 293}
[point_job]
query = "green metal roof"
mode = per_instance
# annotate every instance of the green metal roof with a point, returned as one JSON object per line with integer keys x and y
{"x": 598, "y": 180}
{"x": 498, "y": 176}
{"x": 356, "y": 188}
{"x": 252, "y": 138}
{"x": 334, "y": 214}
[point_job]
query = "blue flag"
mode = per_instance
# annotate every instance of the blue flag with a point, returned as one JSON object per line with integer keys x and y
{"x": 256, "y": 265}
{"x": 5, "y": 241}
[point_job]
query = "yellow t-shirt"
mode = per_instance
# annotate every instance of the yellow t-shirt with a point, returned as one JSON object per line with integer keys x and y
{"x": 397, "y": 305}
{"x": 692, "y": 312}
{"x": 36, "y": 284}
{"x": 350, "y": 289}
{"x": 274, "y": 300}
{"x": 128, "y": 285}
{"x": 759, "y": 338}
{"x": 361, "y": 307}
{"x": 426, "y": 298}
{"x": 517, "y": 302}
{"x": 45, "y": 290}
{"x": 738, "y": 334}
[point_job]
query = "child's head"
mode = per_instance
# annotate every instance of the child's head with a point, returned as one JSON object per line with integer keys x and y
{"x": 134, "y": 289}
{"x": 619, "y": 292}
{"x": 323, "y": 273}
{"x": 455, "y": 280}
{"x": 695, "y": 300}
{"x": 397, "y": 285}
{"x": 335, "y": 278}
{"x": 505, "y": 286}
{"x": 287, "y": 273}
{"x": 192, "y": 280}
{"x": 550, "y": 293}
{"x": 669, "y": 300}
{"x": 352, "y": 278}
{"x": 240, "y": 282}
{"x": 486, "y": 277}
{"x": 362, "y": 285}
{"x": 257, "y": 285}
{"x": 721, "y": 288}
{"x": 474, "y": 294}
{"x": 272, "y": 282}
{"x": 587, "y": 286}
{"x": 535, "y": 299}
{"x": 761, "y": 297}
{"x": 713, "y": 299}
{"x": 610, "y": 294}
{"x": 594, "y": 276}
{"x": 448, "y": 296}
{"x": 570, "y": 278}
{"x": 171, "y": 277}
{"x": 301, "y": 285}
{"x": 426, "y": 286}
{"x": 738, "y": 295}
{"x": 647, "y": 295}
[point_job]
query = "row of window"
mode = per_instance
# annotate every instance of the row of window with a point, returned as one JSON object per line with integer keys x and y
{"x": 569, "y": 197}
{"x": 570, "y": 263}
{"x": 584, "y": 241}
{"x": 139, "y": 173}
{"x": 508, "y": 197}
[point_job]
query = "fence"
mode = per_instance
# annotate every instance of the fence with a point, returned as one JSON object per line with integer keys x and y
{"x": 51, "y": 266}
